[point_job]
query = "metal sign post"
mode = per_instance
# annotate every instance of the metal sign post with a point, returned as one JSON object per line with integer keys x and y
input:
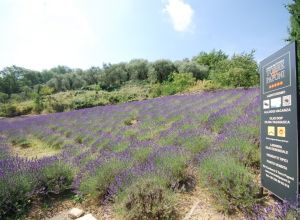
{"x": 279, "y": 123}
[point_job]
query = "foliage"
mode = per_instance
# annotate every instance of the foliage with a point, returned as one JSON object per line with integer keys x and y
{"x": 18, "y": 84}
{"x": 160, "y": 70}
{"x": 138, "y": 69}
{"x": 178, "y": 82}
{"x": 147, "y": 198}
{"x": 15, "y": 194}
{"x": 199, "y": 72}
{"x": 3, "y": 97}
{"x": 182, "y": 81}
{"x": 244, "y": 151}
{"x": 230, "y": 183}
{"x": 7, "y": 110}
{"x": 56, "y": 178}
{"x": 205, "y": 85}
{"x": 211, "y": 59}
{"x": 240, "y": 71}
{"x": 173, "y": 165}
{"x": 96, "y": 184}
{"x": 294, "y": 30}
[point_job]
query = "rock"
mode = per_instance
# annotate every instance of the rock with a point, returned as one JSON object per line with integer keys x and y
{"x": 75, "y": 213}
{"x": 87, "y": 217}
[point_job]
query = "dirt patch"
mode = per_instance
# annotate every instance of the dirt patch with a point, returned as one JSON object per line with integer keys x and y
{"x": 35, "y": 148}
{"x": 59, "y": 207}
{"x": 199, "y": 205}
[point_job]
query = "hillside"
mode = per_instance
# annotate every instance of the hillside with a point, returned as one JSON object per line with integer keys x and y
{"x": 122, "y": 155}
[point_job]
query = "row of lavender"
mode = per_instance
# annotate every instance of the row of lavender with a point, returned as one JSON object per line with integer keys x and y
{"x": 105, "y": 150}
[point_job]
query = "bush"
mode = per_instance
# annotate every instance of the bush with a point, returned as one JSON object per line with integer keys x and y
{"x": 178, "y": 82}
{"x": 8, "y": 110}
{"x": 230, "y": 183}
{"x": 147, "y": 198}
{"x": 15, "y": 194}
{"x": 56, "y": 178}
{"x": 24, "y": 108}
{"x": 95, "y": 185}
{"x": 244, "y": 151}
{"x": 240, "y": 71}
{"x": 198, "y": 71}
{"x": 176, "y": 172}
{"x": 182, "y": 81}
{"x": 3, "y": 97}
{"x": 205, "y": 85}
{"x": 160, "y": 70}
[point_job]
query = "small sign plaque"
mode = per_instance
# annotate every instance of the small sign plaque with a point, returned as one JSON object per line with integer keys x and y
{"x": 279, "y": 123}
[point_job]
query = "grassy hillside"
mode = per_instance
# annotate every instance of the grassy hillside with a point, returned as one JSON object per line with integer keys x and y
{"x": 137, "y": 156}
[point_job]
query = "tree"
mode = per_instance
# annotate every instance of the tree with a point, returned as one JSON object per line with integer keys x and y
{"x": 138, "y": 69}
{"x": 10, "y": 79}
{"x": 240, "y": 71}
{"x": 61, "y": 70}
{"x": 160, "y": 70}
{"x": 294, "y": 30}
{"x": 114, "y": 76}
{"x": 182, "y": 80}
{"x": 210, "y": 59}
{"x": 198, "y": 71}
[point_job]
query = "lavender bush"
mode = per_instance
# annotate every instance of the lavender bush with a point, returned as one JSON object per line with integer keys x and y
{"x": 110, "y": 147}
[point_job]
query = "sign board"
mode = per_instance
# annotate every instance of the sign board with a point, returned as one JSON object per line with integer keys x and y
{"x": 279, "y": 123}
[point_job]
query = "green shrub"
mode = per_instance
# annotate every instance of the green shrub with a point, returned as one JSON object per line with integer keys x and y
{"x": 219, "y": 123}
{"x": 230, "y": 183}
{"x": 142, "y": 154}
{"x": 15, "y": 194}
{"x": 147, "y": 198}
{"x": 8, "y": 110}
{"x": 205, "y": 85}
{"x": 79, "y": 139}
{"x": 245, "y": 151}
{"x": 56, "y": 178}
{"x": 155, "y": 90}
{"x": 25, "y": 108}
{"x": 3, "y": 97}
{"x": 182, "y": 81}
{"x": 178, "y": 82}
{"x": 58, "y": 106}
{"x": 82, "y": 103}
{"x": 95, "y": 185}
{"x": 174, "y": 166}
{"x": 239, "y": 71}
{"x": 197, "y": 144}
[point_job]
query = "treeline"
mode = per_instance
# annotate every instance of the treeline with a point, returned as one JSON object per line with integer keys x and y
{"x": 239, "y": 71}
{"x": 24, "y": 91}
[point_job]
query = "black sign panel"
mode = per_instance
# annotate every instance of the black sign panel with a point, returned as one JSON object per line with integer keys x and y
{"x": 279, "y": 123}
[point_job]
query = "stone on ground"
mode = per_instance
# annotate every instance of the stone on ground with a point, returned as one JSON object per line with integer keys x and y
{"x": 87, "y": 217}
{"x": 75, "y": 213}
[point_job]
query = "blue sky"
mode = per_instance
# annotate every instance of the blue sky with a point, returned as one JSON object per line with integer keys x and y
{"x": 40, "y": 34}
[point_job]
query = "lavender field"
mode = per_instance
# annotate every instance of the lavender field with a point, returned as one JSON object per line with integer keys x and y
{"x": 113, "y": 154}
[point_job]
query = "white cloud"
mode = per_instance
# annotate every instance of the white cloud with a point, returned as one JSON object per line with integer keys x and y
{"x": 180, "y": 13}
